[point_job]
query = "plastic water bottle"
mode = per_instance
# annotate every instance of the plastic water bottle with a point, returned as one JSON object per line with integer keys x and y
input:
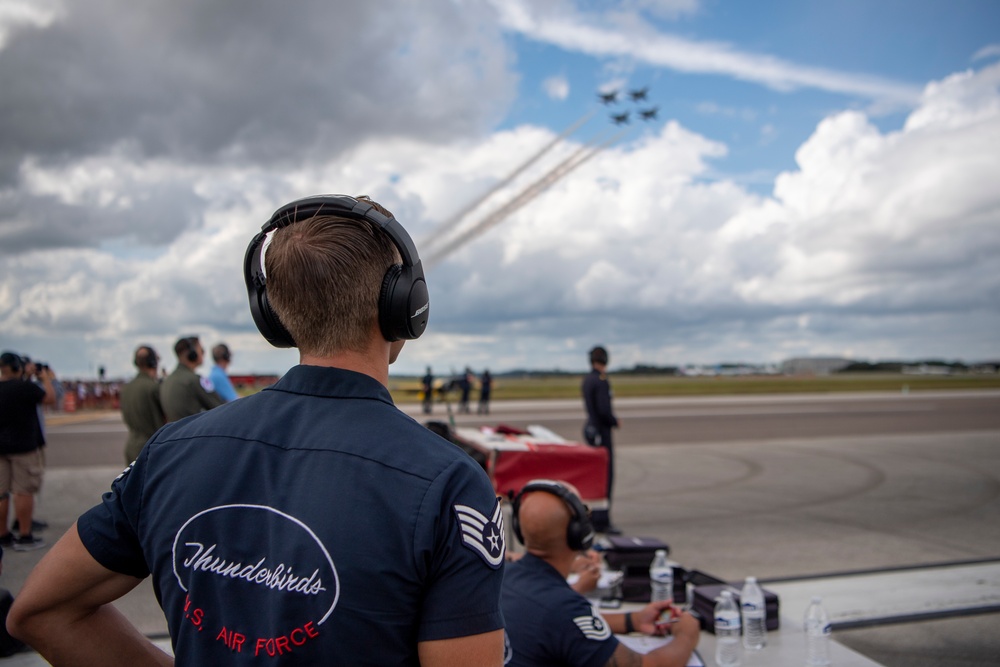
{"x": 661, "y": 577}
{"x": 727, "y": 631}
{"x": 754, "y": 615}
{"x": 817, "y": 626}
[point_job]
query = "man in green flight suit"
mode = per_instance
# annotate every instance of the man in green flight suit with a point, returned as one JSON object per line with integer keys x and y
{"x": 183, "y": 393}
{"x": 140, "y": 401}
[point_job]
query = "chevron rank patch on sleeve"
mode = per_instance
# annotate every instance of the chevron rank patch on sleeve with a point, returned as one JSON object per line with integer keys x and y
{"x": 481, "y": 534}
{"x": 593, "y": 627}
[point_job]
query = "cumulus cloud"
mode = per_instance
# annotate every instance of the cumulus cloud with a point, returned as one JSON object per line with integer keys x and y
{"x": 277, "y": 86}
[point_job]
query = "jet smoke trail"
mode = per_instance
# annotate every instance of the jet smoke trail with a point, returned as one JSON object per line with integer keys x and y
{"x": 561, "y": 170}
{"x": 434, "y": 236}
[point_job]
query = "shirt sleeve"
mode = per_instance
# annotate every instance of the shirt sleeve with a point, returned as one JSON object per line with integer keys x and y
{"x": 109, "y": 531}
{"x": 583, "y": 636}
{"x": 460, "y": 536}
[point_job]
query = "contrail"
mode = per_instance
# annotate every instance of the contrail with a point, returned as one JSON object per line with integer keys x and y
{"x": 579, "y": 157}
{"x": 435, "y": 234}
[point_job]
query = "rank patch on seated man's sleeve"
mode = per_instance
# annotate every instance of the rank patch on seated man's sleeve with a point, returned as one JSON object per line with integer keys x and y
{"x": 593, "y": 627}
{"x": 481, "y": 534}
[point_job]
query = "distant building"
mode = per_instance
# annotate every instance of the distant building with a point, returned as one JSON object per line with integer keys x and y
{"x": 814, "y": 365}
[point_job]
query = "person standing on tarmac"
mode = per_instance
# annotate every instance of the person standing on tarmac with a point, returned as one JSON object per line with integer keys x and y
{"x": 21, "y": 441}
{"x": 219, "y": 373}
{"x": 600, "y": 420}
{"x": 142, "y": 411}
{"x": 183, "y": 393}
{"x": 312, "y": 523}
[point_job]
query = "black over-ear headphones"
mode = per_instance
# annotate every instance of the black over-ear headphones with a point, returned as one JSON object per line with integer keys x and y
{"x": 191, "y": 344}
{"x": 149, "y": 360}
{"x": 579, "y": 532}
{"x": 403, "y": 304}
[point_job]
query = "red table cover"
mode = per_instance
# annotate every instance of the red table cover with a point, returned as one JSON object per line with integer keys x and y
{"x": 583, "y": 466}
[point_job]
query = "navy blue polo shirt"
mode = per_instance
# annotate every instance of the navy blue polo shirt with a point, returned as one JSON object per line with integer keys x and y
{"x": 311, "y": 523}
{"x": 548, "y": 623}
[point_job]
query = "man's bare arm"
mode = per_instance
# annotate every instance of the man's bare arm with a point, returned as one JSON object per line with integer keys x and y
{"x": 485, "y": 650}
{"x": 64, "y": 611}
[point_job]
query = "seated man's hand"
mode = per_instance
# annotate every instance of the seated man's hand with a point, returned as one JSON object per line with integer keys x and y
{"x": 587, "y": 567}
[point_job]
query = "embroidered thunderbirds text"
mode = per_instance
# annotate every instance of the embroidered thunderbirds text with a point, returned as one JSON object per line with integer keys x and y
{"x": 280, "y": 577}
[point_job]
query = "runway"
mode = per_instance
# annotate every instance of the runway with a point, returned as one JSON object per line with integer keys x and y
{"x": 774, "y": 486}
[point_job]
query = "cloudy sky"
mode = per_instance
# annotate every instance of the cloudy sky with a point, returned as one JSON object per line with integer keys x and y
{"x": 819, "y": 179}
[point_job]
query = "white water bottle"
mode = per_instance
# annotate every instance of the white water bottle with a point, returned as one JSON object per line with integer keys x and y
{"x": 727, "y": 631}
{"x": 754, "y": 615}
{"x": 661, "y": 577}
{"x": 817, "y": 626}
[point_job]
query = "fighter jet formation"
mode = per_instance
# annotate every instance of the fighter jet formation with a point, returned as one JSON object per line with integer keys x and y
{"x": 635, "y": 95}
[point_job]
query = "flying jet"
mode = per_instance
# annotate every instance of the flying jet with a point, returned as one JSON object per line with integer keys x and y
{"x": 638, "y": 94}
{"x": 620, "y": 118}
{"x": 610, "y": 97}
{"x": 649, "y": 114}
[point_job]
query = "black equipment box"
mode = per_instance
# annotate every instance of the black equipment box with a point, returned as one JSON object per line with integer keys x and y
{"x": 633, "y": 556}
{"x": 704, "y": 604}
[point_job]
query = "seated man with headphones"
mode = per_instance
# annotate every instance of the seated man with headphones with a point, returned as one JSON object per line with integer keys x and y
{"x": 548, "y": 623}
{"x": 312, "y": 523}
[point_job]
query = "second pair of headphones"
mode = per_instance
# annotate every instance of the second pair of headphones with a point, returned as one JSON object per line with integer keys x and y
{"x": 403, "y": 304}
{"x": 149, "y": 360}
{"x": 189, "y": 344}
{"x": 579, "y": 532}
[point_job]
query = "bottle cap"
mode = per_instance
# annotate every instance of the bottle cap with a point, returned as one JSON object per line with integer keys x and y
{"x": 817, "y": 599}
{"x": 751, "y": 580}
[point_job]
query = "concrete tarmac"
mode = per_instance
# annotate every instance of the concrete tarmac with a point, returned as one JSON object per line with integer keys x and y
{"x": 775, "y": 486}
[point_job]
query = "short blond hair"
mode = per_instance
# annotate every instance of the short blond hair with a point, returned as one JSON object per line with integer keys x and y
{"x": 324, "y": 276}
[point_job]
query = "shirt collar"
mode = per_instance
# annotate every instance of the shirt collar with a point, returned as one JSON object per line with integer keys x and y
{"x": 332, "y": 383}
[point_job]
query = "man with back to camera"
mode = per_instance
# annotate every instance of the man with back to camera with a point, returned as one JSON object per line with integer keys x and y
{"x": 21, "y": 440}
{"x": 142, "y": 411}
{"x": 219, "y": 376}
{"x": 183, "y": 393}
{"x": 312, "y": 522}
{"x": 600, "y": 420}
{"x": 549, "y": 623}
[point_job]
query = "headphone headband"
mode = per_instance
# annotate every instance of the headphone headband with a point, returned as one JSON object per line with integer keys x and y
{"x": 403, "y": 305}
{"x": 579, "y": 532}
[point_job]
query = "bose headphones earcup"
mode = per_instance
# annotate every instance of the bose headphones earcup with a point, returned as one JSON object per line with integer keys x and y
{"x": 400, "y": 296}
{"x": 403, "y": 305}
{"x": 579, "y": 532}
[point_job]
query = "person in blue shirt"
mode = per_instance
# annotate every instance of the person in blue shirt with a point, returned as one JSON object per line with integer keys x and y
{"x": 547, "y": 622}
{"x": 219, "y": 376}
{"x": 312, "y": 523}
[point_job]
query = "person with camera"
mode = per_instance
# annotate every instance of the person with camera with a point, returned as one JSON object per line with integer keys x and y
{"x": 142, "y": 411}
{"x": 21, "y": 440}
{"x": 549, "y": 623}
{"x": 184, "y": 393}
{"x": 312, "y": 523}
